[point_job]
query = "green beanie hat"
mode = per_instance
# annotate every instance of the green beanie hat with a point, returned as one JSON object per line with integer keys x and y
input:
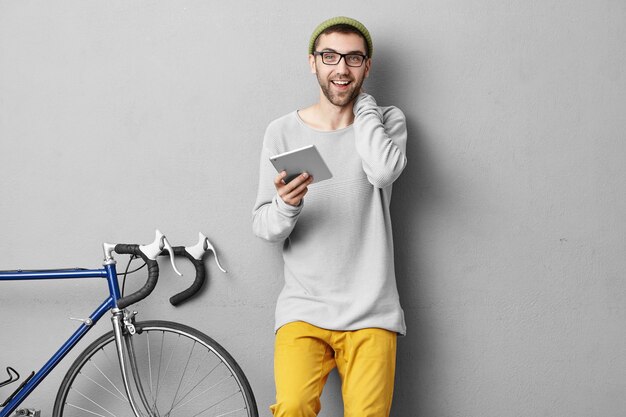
{"x": 342, "y": 20}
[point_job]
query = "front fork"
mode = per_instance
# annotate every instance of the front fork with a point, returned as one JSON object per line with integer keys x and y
{"x": 124, "y": 330}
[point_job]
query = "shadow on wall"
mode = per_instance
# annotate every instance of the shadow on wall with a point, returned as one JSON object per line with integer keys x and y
{"x": 416, "y": 350}
{"x": 413, "y": 194}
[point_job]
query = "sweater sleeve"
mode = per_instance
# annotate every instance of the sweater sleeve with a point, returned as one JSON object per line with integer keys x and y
{"x": 272, "y": 218}
{"x": 381, "y": 136}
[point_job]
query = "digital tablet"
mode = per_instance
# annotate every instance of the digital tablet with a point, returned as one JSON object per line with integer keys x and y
{"x": 306, "y": 159}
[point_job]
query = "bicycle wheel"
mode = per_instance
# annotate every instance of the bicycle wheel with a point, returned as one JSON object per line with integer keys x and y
{"x": 181, "y": 371}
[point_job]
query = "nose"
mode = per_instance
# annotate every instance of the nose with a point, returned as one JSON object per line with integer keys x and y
{"x": 342, "y": 67}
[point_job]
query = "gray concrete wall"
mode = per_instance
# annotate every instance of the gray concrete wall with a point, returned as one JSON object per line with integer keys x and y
{"x": 118, "y": 117}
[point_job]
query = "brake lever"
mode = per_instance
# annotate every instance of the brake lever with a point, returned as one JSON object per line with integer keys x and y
{"x": 155, "y": 248}
{"x": 201, "y": 248}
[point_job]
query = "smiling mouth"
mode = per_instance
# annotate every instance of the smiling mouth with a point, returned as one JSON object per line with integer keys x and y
{"x": 341, "y": 83}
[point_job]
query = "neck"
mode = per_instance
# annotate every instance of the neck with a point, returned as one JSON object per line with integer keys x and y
{"x": 326, "y": 116}
{"x": 332, "y": 117}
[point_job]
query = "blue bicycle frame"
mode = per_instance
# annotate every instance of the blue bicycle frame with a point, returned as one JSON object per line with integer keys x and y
{"x": 109, "y": 273}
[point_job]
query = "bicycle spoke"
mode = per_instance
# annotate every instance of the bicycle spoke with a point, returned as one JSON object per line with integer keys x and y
{"x": 205, "y": 391}
{"x": 93, "y": 402}
{"x": 82, "y": 409}
{"x": 219, "y": 402}
{"x": 105, "y": 388}
{"x": 149, "y": 356}
{"x": 106, "y": 377}
{"x": 194, "y": 387}
{"x": 150, "y": 365}
{"x": 167, "y": 367}
{"x": 190, "y": 380}
{"x": 111, "y": 364}
{"x": 182, "y": 377}
{"x": 159, "y": 372}
{"x": 232, "y": 412}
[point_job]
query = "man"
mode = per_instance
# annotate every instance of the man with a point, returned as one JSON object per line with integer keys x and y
{"x": 339, "y": 306}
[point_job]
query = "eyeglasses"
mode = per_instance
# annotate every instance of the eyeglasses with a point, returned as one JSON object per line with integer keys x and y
{"x": 333, "y": 58}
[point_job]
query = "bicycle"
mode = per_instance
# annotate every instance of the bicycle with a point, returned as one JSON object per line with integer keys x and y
{"x": 162, "y": 368}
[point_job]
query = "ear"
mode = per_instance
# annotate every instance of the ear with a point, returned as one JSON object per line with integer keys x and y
{"x": 312, "y": 64}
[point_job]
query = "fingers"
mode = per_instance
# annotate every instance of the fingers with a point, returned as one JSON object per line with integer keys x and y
{"x": 279, "y": 179}
{"x": 293, "y": 192}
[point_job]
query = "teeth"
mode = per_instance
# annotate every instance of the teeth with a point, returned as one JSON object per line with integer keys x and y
{"x": 341, "y": 82}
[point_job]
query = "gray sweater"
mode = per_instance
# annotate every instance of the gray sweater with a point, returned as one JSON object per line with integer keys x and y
{"x": 337, "y": 244}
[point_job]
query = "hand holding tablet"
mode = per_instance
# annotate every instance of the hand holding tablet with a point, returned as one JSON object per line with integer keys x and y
{"x": 306, "y": 159}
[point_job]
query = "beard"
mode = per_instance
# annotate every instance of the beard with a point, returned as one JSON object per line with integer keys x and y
{"x": 340, "y": 98}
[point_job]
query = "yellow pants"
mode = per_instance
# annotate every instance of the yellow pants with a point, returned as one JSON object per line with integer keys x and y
{"x": 304, "y": 355}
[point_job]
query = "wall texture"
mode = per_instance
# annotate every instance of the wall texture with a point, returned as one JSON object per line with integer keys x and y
{"x": 118, "y": 117}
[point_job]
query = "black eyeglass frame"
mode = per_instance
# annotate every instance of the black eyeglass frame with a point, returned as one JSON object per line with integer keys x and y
{"x": 341, "y": 56}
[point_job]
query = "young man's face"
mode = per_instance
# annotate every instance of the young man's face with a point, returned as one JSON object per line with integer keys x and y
{"x": 340, "y": 83}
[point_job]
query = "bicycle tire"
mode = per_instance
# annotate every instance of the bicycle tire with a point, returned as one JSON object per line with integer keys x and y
{"x": 93, "y": 385}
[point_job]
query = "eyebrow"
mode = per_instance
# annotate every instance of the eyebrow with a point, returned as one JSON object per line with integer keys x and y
{"x": 347, "y": 53}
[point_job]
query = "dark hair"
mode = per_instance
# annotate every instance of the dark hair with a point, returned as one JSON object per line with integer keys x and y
{"x": 342, "y": 28}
